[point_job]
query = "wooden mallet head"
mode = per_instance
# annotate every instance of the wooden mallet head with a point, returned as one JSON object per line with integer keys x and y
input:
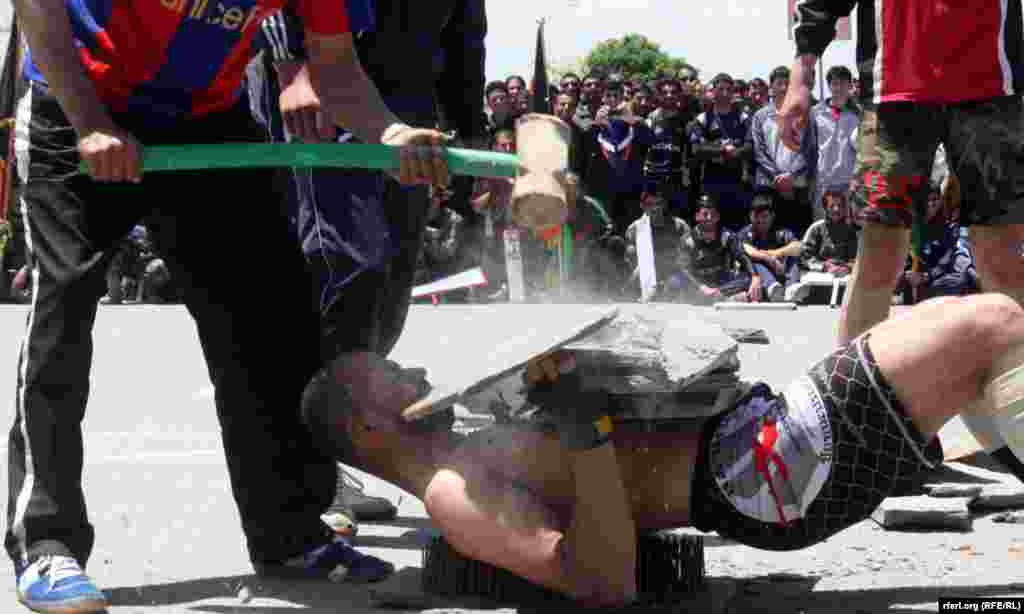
{"x": 539, "y": 198}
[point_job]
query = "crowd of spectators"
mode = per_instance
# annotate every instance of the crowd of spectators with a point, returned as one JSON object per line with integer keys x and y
{"x": 734, "y": 214}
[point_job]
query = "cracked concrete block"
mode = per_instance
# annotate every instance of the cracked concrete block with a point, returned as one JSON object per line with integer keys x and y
{"x": 924, "y": 513}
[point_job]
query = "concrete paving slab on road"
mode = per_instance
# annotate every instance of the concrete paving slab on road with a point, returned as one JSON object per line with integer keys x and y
{"x": 168, "y": 539}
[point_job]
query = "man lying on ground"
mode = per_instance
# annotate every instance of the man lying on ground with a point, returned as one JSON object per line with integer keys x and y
{"x": 776, "y": 472}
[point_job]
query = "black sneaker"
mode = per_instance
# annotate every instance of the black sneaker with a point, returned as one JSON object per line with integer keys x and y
{"x": 351, "y": 496}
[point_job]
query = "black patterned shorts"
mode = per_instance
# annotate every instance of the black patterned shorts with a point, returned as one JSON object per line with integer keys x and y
{"x": 783, "y": 472}
{"x": 984, "y": 143}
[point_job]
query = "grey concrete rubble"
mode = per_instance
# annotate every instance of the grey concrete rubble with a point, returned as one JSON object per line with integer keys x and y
{"x": 1000, "y": 496}
{"x": 969, "y": 491}
{"x": 924, "y": 513}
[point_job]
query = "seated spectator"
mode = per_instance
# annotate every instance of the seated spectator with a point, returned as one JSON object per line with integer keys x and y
{"x": 714, "y": 267}
{"x": 773, "y": 249}
{"x": 492, "y": 198}
{"x": 443, "y": 253}
{"x": 667, "y": 234}
{"x": 137, "y": 269}
{"x": 830, "y": 246}
{"x": 945, "y": 265}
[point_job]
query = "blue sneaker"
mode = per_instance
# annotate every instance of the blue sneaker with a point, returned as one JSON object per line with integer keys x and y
{"x": 57, "y": 585}
{"x": 336, "y": 561}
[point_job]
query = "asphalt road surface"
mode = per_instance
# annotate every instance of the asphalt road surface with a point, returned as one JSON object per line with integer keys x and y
{"x": 168, "y": 538}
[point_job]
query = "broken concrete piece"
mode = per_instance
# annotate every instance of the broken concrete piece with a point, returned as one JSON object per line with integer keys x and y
{"x": 924, "y": 513}
{"x": 671, "y": 351}
{"x": 1009, "y": 517}
{"x": 953, "y": 490}
{"x": 1000, "y": 497}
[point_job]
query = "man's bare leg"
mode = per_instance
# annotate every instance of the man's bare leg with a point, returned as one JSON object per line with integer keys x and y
{"x": 997, "y": 255}
{"x": 940, "y": 356}
{"x": 881, "y": 254}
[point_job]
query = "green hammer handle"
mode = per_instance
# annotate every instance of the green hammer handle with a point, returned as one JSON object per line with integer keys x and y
{"x": 470, "y": 162}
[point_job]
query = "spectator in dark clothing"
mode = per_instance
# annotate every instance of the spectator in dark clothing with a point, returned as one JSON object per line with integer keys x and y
{"x": 579, "y": 146}
{"x": 667, "y": 162}
{"x": 946, "y": 263}
{"x": 785, "y": 174}
{"x": 590, "y": 100}
{"x": 570, "y": 84}
{"x": 714, "y": 266}
{"x": 763, "y": 236}
{"x": 759, "y": 93}
{"x": 515, "y": 86}
{"x": 721, "y": 147}
{"x": 644, "y": 101}
{"x": 667, "y": 234}
{"x": 830, "y": 244}
{"x": 136, "y": 267}
{"x": 498, "y": 102}
{"x": 618, "y": 141}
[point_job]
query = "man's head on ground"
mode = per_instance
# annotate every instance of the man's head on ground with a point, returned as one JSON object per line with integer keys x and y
{"x": 570, "y": 83}
{"x": 840, "y": 84}
{"x": 779, "y": 83}
{"x": 565, "y": 107}
{"x": 758, "y": 92}
{"x": 762, "y": 215}
{"x": 515, "y": 85}
{"x": 708, "y": 217}
{"x": 497, "y": 97}
{"x": 721, "y": 91}
{"x": 837, "y": 206}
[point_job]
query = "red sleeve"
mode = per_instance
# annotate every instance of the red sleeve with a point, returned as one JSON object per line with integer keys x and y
{"x": 324, "y": 16}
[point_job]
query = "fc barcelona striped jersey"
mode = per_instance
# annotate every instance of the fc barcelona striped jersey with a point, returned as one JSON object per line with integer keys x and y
{"x": 924, "y": 50}
{"x": 177, "y": 59}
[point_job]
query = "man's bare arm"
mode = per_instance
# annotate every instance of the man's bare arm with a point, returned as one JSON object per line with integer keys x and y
{"x": 793, "y": 249}
{"x": 47, "y": 28}
{"x": 599, "y": 547}
{"x": 347, "y": 94}
{"x": 109, "y": 153}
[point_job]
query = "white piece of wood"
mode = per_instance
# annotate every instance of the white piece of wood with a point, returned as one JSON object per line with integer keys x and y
{"x": 465, "y": 279}
{"x": 736, "y": 306}
{"x": 514, "y": 265}
{"x": 645, "y": 259}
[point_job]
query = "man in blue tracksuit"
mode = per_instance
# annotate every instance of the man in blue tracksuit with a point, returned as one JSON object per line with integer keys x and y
{"x": 360, "y": 231}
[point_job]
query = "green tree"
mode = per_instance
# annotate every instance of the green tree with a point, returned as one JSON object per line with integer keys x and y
{"x": 633, "y": 55}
